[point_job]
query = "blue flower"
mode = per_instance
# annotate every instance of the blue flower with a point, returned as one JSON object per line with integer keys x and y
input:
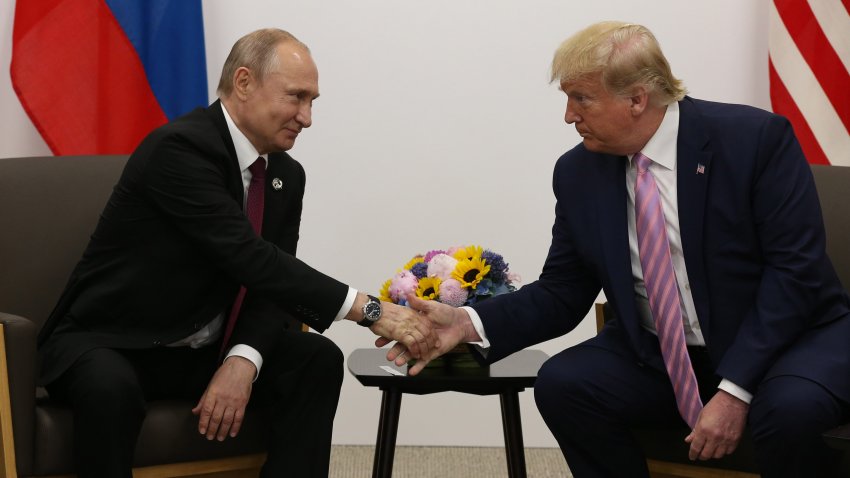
{"x": 420, "y": 270}
{"x": 497, "y": 264}
{"x": 484, "y": 287}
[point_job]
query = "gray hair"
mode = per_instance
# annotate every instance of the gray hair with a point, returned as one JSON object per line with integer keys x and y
{"x": 255, "y": 51}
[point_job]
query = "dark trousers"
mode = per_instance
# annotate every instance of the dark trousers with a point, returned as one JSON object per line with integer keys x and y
{"x": 590, "y": 398}
{"x": 108, "y": 390}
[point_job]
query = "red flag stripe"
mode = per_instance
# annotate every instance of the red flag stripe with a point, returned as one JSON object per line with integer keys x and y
{"x": 818, "y": 52}
{"x": 99, "y": 101}
{"x": 784, "y": 104}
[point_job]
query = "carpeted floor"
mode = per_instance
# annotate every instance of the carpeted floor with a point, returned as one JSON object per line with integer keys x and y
{"x": 446, "y": 462}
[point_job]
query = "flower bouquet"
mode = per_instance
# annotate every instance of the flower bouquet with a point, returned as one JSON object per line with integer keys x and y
{"x": 456, "y": 276}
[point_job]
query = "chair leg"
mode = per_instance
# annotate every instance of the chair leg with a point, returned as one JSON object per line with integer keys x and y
{"x": 8, "y": 467}
{"x": 512, "y": 428}
{"x": 387, "y": 431}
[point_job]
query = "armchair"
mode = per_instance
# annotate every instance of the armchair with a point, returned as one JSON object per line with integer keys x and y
{"x": 48, "y": 209}
{"x": 667, "y": 454}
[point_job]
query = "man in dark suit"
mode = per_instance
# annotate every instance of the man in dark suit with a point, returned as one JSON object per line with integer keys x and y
{"x": 148, "y": 311}
{"x": 761, "y": 320}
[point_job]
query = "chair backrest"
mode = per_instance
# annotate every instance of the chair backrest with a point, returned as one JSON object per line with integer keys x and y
{"x": 833, "y": 184}
{"x": 49, "y": 207}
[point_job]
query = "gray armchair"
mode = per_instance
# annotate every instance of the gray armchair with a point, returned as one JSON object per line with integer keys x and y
{"x": 667, "y": 454}
{"x": 48, "y": 209}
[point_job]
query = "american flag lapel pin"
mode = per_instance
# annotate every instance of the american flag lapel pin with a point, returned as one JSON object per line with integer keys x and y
{"x": 700, "y": 168}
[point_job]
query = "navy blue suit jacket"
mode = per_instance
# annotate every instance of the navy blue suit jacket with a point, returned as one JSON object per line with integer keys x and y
{"x": 766, "y": 295}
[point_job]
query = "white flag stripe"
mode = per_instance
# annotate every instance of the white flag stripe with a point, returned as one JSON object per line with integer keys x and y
{"x": 834, "y": 20}
{"x": 808, "y": 95}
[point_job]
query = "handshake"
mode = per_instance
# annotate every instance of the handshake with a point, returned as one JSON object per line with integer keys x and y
{"x": 424, "y": 330}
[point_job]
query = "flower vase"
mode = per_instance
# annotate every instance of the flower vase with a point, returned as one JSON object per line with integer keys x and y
{"x": 458, "y": 357}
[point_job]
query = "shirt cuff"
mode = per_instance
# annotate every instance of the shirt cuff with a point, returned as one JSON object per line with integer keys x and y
{"x": 484, "y": 343}
{"x": 347, "y": 304}
{"x": 249, "y": 353}
{"x": 735, "y": 391}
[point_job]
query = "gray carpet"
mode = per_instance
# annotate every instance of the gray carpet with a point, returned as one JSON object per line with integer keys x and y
{"x": 348, "y": 461}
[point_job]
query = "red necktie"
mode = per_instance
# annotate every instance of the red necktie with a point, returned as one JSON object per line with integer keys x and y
{"x": 662, "y": 291}
{"x": 254, "y": 210}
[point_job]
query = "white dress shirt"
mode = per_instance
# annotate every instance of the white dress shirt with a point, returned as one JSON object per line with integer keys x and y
{"x": 246, "y": 154}
{"x": 661, "y": 149}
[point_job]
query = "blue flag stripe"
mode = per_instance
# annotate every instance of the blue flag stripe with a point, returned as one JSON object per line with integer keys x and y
{"x": 168, "y": 36}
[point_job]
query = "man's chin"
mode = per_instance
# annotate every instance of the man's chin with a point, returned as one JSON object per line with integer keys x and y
{"x": 597, "y": 147}
{"x": 591, "y": 145}
{"x": 285, "y": 145}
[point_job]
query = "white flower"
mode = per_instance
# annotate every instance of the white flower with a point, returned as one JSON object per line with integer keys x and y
{"x": 442, "y": 266}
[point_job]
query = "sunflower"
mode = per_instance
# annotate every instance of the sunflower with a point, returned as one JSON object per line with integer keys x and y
{"x": 416, "y": 260}
{"x": 467, "y": 253}
{"x": 469, "y": 272}
{"x": 429, "y": 288}
{"x": 384, "y": 294}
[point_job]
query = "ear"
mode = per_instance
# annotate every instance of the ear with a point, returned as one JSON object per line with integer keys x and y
{"x": 242, "y": 83}
{"x": 638, "y": 100}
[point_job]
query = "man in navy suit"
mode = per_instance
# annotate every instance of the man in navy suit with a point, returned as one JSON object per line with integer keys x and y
{"x": 145, "y": 314}
{"x": 765, "y": 319}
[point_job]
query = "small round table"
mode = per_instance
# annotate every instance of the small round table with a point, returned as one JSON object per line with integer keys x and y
{"x": 505, "y": 378}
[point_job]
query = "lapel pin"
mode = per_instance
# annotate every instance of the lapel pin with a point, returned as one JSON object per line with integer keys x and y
{"x": 700, "y": 168}
{"x": 277, "y": 184}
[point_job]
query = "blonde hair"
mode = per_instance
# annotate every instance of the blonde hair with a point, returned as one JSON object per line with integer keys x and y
{"x": 625, "y": 54}
{"x": 257, "y": 52}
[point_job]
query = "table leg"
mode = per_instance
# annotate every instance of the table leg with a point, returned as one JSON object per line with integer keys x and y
{"x": 512, "y": 428}
{"x": 387, "y": 430}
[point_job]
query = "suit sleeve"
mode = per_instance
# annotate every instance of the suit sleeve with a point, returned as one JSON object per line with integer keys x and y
{"x": 791, "y": 236}
{"x": 555, "y": 303}
{"x": 190, "y": 191}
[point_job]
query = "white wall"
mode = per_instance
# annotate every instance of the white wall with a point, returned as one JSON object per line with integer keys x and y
{"x": 437, "y": 120}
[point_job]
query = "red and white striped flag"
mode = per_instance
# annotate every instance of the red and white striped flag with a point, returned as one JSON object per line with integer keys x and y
{"x": 809, "y": 45}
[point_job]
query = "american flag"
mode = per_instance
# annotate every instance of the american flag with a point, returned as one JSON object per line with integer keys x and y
{"x": 809, "y": 47}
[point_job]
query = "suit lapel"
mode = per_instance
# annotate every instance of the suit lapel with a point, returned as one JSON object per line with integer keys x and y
{"x": 693, "y": 171}
{"x": 275, "y": 198}
{"x": 231, "y": 168}
{"x": 614, "y": 232}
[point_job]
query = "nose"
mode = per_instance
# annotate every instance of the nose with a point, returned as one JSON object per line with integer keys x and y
{"x": 305, "y": 115}
{"x": 571, "y": 116}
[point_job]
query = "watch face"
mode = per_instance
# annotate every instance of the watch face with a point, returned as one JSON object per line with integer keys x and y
{"x": 372, "y": 310}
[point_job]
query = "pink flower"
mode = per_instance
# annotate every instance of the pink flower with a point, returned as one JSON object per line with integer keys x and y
{"x": 402, "y": 284}
{"x": 442, "y": 266}
{"x": 452, "y": 293}
{"x": 430, "y": 255}
{"x": 451, "y": 251}
{"x": 514, "y": 278}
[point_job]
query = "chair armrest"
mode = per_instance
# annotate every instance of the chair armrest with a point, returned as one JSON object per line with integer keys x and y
{"x": 838, "y": 437}
{"x": 19, "y": 348}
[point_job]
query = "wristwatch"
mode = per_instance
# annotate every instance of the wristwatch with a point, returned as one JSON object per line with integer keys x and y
{"x": 371, "y": 311}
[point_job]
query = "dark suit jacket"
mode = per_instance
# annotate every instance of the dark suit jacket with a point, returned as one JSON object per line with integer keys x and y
{"x": 173, "y": 246}
{"x": 766, "y": 295}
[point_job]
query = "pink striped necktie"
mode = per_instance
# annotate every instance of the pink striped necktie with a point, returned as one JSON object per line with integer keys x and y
{"x": 662, "y": 291}
{"x": 254, "y": 210}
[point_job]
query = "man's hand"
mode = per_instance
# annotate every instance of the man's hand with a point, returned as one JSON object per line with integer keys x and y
{"x": 451, "y": 325}
{"x": 719, "y": 427}
{"x": 407, "y": 327}
{"x": 222, "y": 407}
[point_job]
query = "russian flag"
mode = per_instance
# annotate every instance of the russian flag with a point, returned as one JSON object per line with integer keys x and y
{"x": 96, "y": 76}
